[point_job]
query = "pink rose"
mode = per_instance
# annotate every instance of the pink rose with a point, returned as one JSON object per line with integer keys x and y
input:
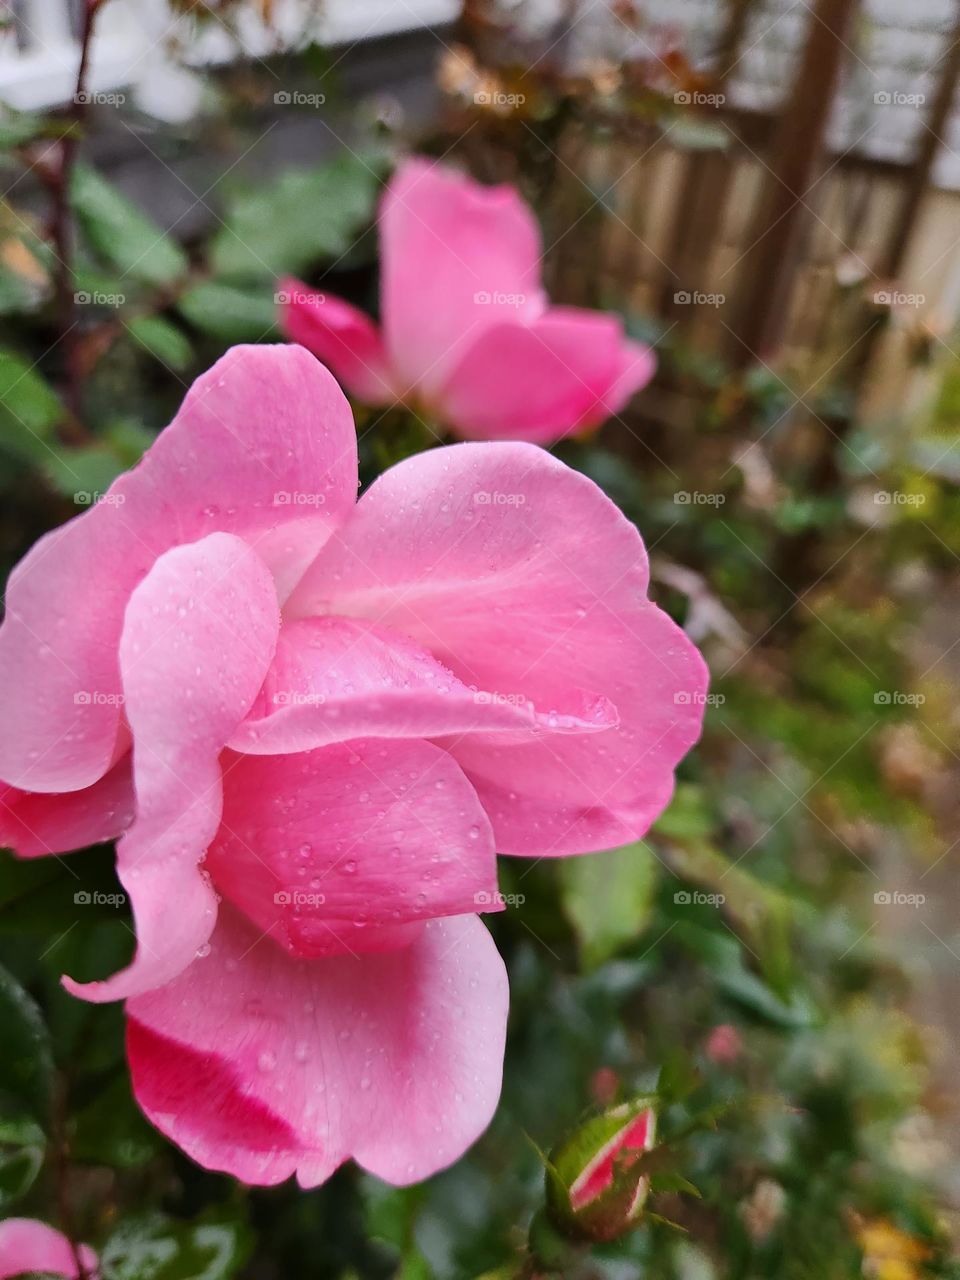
{"x": 313, "y": 721}
{"x": 30, "y": 1246}
{"x": 467, "y": 331}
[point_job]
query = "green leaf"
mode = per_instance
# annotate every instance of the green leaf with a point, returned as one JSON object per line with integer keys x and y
{"x": 153, "y": 1246}
{"x": 20, "y": 1131}
{"x": 110, "y": 1130}
{"x": 123, "y": 235}
{"x": 20, "y": 127}
{"x": 29, "y": 410}
{"x": 722, "y": 953}
{"x": 162, "y": 340}
{"x": 101, "y": 292}
{"x": 44, "y": 895}
{"x": 303, "y": 216}
{"x": 669, "y": 1181}
{"x": 84, "y": 473}
{"x": 18, "y": 1173}
{"x": 25, "y": 267}
{"x": 687, "y": 816}
{"x": 228, "y": 312}
{"x": 129, "y": 438}
{"x": 607, "y": 897}
{"x": 761, "y": 916}
{"x": 792, "y": 1011}
{"x": 414, "y": 1267}
{"x": 87, "y": 472}
{"x": 26, "y": 1065}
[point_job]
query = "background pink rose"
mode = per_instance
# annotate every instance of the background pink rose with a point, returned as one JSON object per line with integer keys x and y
{"x": 30, "y": 1246}
{"x": 468, "y": 333}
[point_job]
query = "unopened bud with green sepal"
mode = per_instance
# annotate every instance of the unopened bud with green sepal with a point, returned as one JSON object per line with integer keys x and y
{"x": 597, "y": 1179}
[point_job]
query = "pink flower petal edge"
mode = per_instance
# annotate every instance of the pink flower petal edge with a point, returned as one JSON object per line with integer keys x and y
{"x": 263, "y": 448}
{"x": 261, "y": 1065}
{"x": 27, "y": 1245}
{"x": 344, "y": 338}
{"x": 467, "y": 332}
{"x": 36, "y": 824}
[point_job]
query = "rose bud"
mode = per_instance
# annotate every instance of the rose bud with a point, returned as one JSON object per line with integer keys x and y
{"x": 597, "y": 1181}
{"x": 724, "y": 1044}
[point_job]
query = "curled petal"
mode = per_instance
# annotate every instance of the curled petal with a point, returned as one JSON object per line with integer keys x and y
{"x": 334, "y": 679}
{"x": 562, "y": 796}
{"x": 200, "y": 631}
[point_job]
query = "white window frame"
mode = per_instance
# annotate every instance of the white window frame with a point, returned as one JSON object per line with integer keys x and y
{"x": 42, "y": 72}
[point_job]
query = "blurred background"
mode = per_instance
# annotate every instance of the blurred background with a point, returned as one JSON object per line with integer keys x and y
{"x": 768, "y": 192}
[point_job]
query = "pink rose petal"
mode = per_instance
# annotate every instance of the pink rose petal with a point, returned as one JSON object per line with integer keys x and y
{"x": 261, "y": 1065}
{"x": 457, "y": 258}
{"x": 573, "y": 795}
{"x": 34, "y": 825}
{"x": 536, "y": 381}
{"x": 333, "y": 679}
{"x": 30, "y": 1246}
{"x": 344, "y": 848}
{"x": 636, "y": 1135}
{"x": 199, "y": 633}
{"x": 521, "y": 577}
{"x": 345, "y": 339}
{"x": 263, "y": 447}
